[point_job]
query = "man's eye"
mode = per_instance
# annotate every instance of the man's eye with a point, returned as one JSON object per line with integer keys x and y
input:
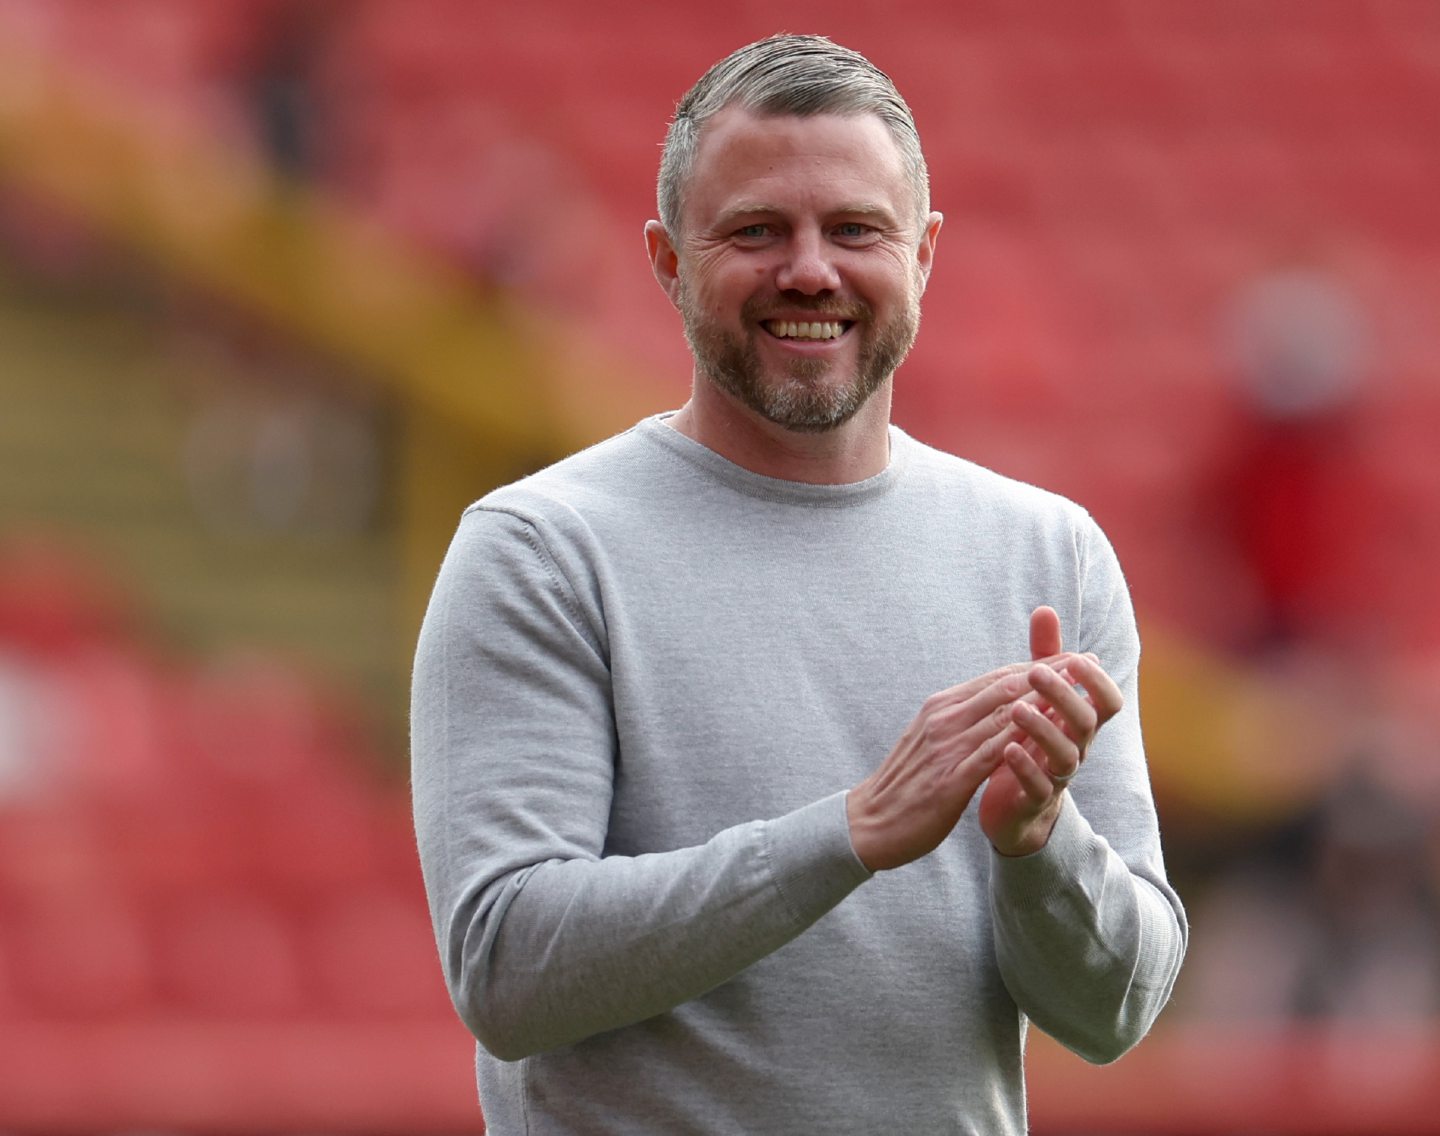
{"x": 753, "y": 232}
{"x": 851, "y": 230}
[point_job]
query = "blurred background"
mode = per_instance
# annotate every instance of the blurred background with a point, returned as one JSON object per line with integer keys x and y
{"x": 284, "y": 284}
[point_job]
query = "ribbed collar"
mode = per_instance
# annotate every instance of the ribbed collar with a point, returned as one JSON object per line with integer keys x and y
{"x": 765, "y": 488}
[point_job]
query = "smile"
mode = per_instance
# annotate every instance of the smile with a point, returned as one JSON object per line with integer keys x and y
{"x": 789, "y": 329}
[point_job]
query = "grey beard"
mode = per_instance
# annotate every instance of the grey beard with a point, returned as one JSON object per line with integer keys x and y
{"x": 801, "y": 401}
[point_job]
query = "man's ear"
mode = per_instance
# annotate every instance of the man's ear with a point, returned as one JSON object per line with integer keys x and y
{"x": 664, "y": 260}
{"x": 925, "y": 254}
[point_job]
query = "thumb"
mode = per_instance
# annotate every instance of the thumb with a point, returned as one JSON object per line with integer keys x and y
{"x": 1044, "y": 633}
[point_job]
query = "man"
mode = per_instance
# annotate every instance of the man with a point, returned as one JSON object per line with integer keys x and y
{"x": 695, "y": 861}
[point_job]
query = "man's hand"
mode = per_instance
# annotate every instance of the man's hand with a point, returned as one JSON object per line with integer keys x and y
{"x": 1022, "y": 801}
{"x": 960, "y": 737}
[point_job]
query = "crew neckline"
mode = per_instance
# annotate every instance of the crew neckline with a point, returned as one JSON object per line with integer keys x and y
{"x": 766, "y": 488}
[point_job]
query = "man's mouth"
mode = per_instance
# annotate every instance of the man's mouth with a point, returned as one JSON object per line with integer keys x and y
{"x": 815, "y": 329}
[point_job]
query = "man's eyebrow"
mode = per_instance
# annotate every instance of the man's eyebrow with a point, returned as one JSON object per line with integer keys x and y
{"x": 866, "y": 209}
{"x": 746, "y": 209}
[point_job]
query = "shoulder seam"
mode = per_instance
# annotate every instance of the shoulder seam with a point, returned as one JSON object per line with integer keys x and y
{"x": 542, "y": 552}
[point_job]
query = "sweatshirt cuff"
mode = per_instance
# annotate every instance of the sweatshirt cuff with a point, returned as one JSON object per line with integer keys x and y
{"x": 1053, "y": 869}
{"x": 811, "y": 859}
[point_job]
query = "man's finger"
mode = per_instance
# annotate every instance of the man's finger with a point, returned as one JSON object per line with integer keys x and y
{"x": 966, "y": 725}
{"x": 1104, "y": 694}
{"x": 1044, "y": 633}
{"x": 1061, "y": 754}
{"x": 1031, "y": 776}
{"x": 964, "y": 691}
{"x": 1080, "y": 715}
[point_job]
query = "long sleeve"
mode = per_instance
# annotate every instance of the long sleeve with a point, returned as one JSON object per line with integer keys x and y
{"x": 1089, "y": 935}
{"x": 1088, "y": 948}
{"x": 545, "y": 937}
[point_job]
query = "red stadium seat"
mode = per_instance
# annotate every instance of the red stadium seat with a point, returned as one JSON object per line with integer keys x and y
{"x": 226, "y": 952}
{"x": 371, "y": 952}
{"x": 80, "y": 952}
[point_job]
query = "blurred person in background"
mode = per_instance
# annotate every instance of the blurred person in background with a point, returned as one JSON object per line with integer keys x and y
{"x": 281, "y": 88}
{"x": 1296, "y": 502}
{"x": 671, "y": 887}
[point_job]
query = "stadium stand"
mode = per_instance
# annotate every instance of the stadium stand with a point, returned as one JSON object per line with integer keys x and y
{"x": 210, "y": 907}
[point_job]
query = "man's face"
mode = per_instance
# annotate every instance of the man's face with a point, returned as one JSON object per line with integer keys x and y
{"x": 801, "y": 264}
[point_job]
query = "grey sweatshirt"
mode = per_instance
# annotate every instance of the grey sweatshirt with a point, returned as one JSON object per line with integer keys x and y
{"x": 645, "y": 681}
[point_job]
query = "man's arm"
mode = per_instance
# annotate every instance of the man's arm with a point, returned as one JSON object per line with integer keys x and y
{"x": 544, "y": 940}
{"x": 1089, "y": 934}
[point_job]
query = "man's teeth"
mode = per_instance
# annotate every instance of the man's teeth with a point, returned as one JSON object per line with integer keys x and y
{"x": 804, "y": 330}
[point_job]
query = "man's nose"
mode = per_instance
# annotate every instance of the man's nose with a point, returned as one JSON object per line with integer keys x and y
{"x": 809, "y": 265}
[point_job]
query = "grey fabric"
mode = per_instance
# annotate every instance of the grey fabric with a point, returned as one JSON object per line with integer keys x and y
{"x": 646, "y": 680}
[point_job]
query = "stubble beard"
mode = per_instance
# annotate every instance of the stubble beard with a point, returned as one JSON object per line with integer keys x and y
{"x": 801, "y": 399}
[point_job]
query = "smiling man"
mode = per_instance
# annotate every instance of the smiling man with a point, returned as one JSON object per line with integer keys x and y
{"x": 700, "y": 714}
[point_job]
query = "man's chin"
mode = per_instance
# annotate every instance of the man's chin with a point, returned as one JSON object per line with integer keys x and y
{"x": 813, "y": 424}
{"x": 807, "y": 396}
{"x": 807, "y": 406}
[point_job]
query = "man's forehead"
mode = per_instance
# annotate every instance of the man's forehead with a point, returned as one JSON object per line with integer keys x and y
{"x": 736, "y": 120}
{"x": 738, "y": 143}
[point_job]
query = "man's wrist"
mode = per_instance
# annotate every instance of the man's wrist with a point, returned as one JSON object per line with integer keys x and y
{"x": 1034, "y": 839}
{"x": 862, "y": 834}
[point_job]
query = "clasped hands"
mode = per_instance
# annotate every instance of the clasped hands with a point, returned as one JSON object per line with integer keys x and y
{"x": 1020, "y": 731}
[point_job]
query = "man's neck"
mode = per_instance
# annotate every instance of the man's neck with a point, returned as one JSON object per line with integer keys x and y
{"x": 854, "y": 451}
